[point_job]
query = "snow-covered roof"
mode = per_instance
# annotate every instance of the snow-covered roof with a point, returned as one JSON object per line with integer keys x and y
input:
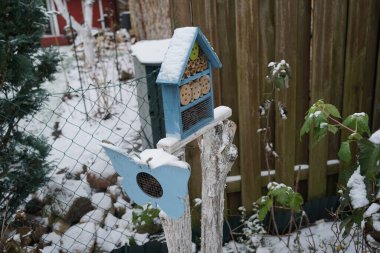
{"x": 179, "y": 51}
{"x": 150, "y": 51}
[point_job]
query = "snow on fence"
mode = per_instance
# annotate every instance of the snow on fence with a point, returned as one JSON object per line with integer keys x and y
{"x": 82, "y": 208}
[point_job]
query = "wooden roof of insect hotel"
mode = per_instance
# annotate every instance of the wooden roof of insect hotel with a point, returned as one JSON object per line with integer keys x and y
{"x": 178, "y": 53}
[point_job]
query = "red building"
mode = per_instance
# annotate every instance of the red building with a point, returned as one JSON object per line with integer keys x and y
{"x": 104, "y": 16}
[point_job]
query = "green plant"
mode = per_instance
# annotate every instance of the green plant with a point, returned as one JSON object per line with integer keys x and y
{"x": 360, "y": 155}
{"x": 24, "y": 66}
{"x": 145, "y": 219}
{"x": 279, "y": 196}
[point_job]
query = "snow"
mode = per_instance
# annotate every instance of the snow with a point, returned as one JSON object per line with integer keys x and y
{"x": 359, "y": 114}
{"x": 373, "y": 208}
{"x": 176, "y": 55}
{"x": 315, "y": 114}
{"x": 79, "y": 238}
{"x": 52, "y": 237}
{"x": 333, "y": 162}
{"x": 150, "y": 51}
{"x": 358, "y": 192}
{"x": 101, "y": 201}
{"x": 375, "y": 137}
{"x": 235, "y": 178}
{"x": 321, "y": 236}
{"x": 120, "y": 203}
{"x": 167, "y": 142}
{"x": 110, "y": 222}
{"x": 50, "y": 249}
{"x": 376, "y": 221}
{"x": 221, "y": 111}
{"x": 197, "y": 202}
{"x": 264, "y": 173}
{"x": 301, "y": 167}
{"x": 94, "y": 216}
{"x": 158, "y": 157}
{"x": 114, "y": 190}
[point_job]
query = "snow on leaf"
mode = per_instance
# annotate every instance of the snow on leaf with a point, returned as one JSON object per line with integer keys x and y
{"x": 358, "y": 192}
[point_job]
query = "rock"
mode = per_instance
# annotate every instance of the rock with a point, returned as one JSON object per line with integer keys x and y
{"x": 114, "y": 191}
{"x": 101, "y": 180}
{"x": 102, "y": 201}
{"x": 60, "y": 226}
{"x": 34, "y": 206}
{"x": 111, "y": 222}
{"x": 120, "y": 206}
{"x": 51, "y": 238}
{"x": 79, "y": 238}
{"x": 72, "y": 200}
{"x": 94, "y": 216}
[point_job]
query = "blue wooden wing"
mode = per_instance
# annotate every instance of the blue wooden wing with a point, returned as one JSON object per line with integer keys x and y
{"x": 165, "y": 185}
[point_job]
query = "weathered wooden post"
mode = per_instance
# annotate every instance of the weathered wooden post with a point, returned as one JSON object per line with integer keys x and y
{"x": 186, "y": 81}
{"x": 217, "y": 157}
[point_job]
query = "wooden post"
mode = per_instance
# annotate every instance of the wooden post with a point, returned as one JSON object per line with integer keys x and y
{"x": 178, "y": 231}
{"x": 217, "y": 157}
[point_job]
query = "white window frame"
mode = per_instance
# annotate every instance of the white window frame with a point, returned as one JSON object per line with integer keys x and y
{"x": 53, "y": 20}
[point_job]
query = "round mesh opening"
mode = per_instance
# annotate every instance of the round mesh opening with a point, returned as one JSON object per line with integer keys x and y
{"x": 149, "y": 185}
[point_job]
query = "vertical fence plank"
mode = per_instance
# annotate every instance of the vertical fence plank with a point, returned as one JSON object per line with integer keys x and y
{"x": 361, "y": 56}
{"x": 376, "y": 105}
{"x": 266, "y": 55}
{"x": 180, "y": 12}
{"x": 247, "y": 50}
{"x": 204, "y": 14}
{"x": 326, "y": 73}
{"x": 228, "y": 77}
{"x": 340, "y": 12}
{"x": 293, "y": 45}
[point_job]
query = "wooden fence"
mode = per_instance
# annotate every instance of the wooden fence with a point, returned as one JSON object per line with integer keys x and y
{"x": 333, "y": 49}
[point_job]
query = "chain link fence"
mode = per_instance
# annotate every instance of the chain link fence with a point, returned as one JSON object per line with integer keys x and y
{"x": 82, "y": 207}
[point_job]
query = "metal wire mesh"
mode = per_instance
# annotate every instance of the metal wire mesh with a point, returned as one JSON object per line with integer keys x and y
{"x": 82, "y": 207}
{"x": 196, "y": 113}
{"x": 149, "y": 185}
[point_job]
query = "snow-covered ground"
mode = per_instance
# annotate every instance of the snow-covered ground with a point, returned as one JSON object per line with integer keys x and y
{"x": 321, "y": 237}
{"x": 83, "y": 206}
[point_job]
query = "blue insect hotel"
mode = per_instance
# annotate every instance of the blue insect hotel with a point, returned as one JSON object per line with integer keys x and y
{"x": 186, "y": 81}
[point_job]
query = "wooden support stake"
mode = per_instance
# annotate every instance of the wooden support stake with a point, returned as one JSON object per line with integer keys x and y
{"x": 178, "y": 231}
{"x": 217, "y": 157}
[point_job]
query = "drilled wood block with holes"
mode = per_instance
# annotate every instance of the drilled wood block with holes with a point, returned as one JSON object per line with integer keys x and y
{"x": 186, "y": 80}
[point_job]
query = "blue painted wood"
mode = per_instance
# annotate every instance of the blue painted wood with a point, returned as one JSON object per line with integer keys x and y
{"x": 170, "y": 96}
{"x": 211, "y": 88}
{"x": 195, "y": 102}
{"x": 196, "y": 76}
{"x": 206, "y": 48}
{"x": 172, "y": 109}
{"x": 173, "y": 180}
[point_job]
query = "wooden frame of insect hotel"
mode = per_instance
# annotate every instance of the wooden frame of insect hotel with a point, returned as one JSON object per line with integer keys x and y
{"x": 186, "y": 79}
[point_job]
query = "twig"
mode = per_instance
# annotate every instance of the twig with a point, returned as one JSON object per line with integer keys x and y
{"x": 231, "y": 234}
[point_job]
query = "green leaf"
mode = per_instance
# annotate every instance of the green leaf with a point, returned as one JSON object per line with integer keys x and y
{"x": 279, "y": 82}
{"x": 305, "y": 127}
{"x": 318, "y": 134}
{"x": 344, "y": 153}
{"x": 332, "y": 129}
{"x": 369, "y": 155}
{"x": 265, "y": 204}
{"x": 331, "y": 109}
{"x": 358, "y": 122}
{"x": 296, "y": 202}
{"x": 355, "y": 136}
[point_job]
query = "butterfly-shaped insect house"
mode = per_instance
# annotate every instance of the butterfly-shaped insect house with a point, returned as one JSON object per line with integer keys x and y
{"x": 154, "y": 177}
{"x": 186, "y": 79}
